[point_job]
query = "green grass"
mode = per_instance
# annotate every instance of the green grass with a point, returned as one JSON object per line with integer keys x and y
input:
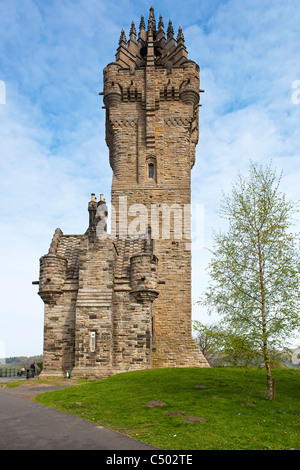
{"x": 232, "y": 401}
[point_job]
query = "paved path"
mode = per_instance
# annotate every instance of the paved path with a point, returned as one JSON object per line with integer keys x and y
{"x": 27, "y": 425}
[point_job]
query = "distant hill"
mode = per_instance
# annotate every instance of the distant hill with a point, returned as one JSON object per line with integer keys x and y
{"x": 20, "y": 361}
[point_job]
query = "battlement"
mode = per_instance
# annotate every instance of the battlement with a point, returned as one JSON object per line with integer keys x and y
{"x": 178, "y": 76}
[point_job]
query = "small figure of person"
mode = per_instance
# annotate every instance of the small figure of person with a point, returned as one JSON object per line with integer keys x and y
{"x": 32, "y": 367}
{"x": 22, "y": 372}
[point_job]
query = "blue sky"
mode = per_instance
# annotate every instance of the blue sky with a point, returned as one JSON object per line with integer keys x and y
{"x": 52, "y": 126}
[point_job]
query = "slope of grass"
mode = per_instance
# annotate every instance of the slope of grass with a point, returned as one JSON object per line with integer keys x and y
{"x": 203, "y": 408}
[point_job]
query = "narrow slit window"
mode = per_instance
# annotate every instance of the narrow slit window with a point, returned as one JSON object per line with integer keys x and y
{"x": 151, "y": 171}
{"x": 93, "y": 341}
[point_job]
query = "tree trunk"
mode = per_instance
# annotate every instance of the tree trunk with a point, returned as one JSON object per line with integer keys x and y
{"x": 270, "y": 394}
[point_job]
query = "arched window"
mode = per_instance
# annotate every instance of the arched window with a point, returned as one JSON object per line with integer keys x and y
{"x": 151, "y": 171}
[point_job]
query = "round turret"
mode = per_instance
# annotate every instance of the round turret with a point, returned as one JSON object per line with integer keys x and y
{"x": 112, "y": 94}
{"x": 143, "y": 276}
{"x": 189, "y": 95}
{"x": 189, "y": 90}
{"x": 53, "y": 271}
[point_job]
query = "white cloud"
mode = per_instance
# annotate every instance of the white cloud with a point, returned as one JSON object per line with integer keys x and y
{"x": 39, "y": 192}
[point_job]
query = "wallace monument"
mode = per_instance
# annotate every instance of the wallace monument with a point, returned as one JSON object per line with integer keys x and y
{"x": 120, "y": 300}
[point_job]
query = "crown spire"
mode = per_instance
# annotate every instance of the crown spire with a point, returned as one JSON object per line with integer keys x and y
{"x": 161, "y": 23}
{"x": 170, "y": 31}
{"x": 142, "y": 33}
{"x": 142, "y": 23}
{"x": 151, "y": 21}
{"x": 152, "y": 45}
{"x": 180, "y": 37}
{"x": 132, "y": 33}
{"x": 160, "y": 36}
{"x": 122, "y": 40}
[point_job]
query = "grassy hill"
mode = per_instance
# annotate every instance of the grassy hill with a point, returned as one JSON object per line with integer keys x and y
{"x": 217, "y": 408}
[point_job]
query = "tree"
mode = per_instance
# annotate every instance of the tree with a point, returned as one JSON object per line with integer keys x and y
{"x": 254, "y": 269}
{"x": 222, "y": 344}
{"x": 208, "y": 339}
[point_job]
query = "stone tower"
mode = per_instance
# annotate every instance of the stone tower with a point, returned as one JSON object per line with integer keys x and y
{"x": 122, "y": 300}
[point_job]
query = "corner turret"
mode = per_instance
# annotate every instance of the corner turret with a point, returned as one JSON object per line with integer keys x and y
{"x": 53, "y": 272}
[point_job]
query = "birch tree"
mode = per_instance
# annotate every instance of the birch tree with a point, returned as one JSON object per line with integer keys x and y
{"x": 254, "y": 270}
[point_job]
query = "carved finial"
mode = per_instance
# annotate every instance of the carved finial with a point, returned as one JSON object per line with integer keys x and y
{"x": 170, "y": 31}
{"x": 180, "y": 37}
{"x": 142, "y": 23}
{"x": 142, "y": 33}
{"x": 122, "y": 40}
{"x": 160, "y": 23}
{"x": 133, "y": 32}
{"x": 151, "y": 21}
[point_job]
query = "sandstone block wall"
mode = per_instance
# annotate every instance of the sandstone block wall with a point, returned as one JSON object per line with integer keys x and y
{"x": 151, "y": 95}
